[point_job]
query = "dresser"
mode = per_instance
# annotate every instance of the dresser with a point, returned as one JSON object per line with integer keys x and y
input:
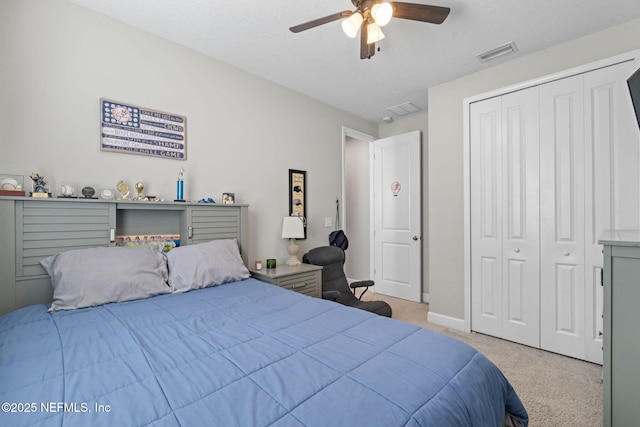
{"x": 33, "y": 229}
{"x": 621, "y": 279}
{"x": 304, "y": 278}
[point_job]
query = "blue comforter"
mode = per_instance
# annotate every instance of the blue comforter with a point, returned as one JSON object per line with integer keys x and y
{"x": 244, "y": 353}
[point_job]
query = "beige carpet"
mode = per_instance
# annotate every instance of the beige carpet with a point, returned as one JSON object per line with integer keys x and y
{"x": 557, "y": 391}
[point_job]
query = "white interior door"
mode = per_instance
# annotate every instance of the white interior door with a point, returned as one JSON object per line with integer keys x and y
{"x": 486, "y": 216}
{"x": 397, "y": 216}
{"x": 505, "y": 217}
{"x": 521, "y": 225}
{"x": 562, "y": 239}
{"x": 588, "y": 165}
{"x": 612, "y": 177}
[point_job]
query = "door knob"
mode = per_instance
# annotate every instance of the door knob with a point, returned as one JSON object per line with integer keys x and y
{"x": 567, "y": 253}
{"x": 516, "y": 250}
{"x": 415, "y": 237}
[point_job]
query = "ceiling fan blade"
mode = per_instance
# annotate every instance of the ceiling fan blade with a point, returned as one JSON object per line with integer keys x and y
{"x": 366, "y": 50}
{"x": 420, "y": 12}
{"x": 320, "y": 21}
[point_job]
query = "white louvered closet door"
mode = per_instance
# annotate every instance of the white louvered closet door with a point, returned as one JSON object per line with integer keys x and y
{"x": 504, "y": 217}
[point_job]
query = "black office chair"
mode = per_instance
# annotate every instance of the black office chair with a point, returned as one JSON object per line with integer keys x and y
{"x": 334, "y": 283}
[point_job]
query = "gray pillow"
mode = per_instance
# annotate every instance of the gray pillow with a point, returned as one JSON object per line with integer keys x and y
{"x": 205, "y": 264}
{"x": 96, "y": 276}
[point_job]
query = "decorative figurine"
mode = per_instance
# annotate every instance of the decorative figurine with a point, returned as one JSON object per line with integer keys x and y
{"x": 180, "y": 186}
{"x": 139, "y": 187}
{"x": 40, "y": 186}
{"x": 123, "y": 190}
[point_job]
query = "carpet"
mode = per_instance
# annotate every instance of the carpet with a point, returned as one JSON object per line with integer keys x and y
{"x": 558, "y": 391}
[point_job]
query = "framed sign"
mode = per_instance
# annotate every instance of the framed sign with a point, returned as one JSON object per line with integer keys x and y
{"x": 298, "y": 195}
{"x": 127, "y": 128}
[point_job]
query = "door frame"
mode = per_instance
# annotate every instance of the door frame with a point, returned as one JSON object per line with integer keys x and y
{"x": 625, "y": 57}
{"x": 352, "y": 133}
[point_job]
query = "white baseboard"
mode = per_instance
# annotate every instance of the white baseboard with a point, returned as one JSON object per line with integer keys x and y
{"x": 425, "y": 298}
{"x": 446, "y": 321}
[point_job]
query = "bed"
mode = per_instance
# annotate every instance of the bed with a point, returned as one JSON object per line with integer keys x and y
{"x": 229, "y": 351}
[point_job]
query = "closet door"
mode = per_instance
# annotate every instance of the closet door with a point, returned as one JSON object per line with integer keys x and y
{"x": 504, "y": 218}
{"x": 612, "y": 177}
{"x": 562, "y": 240}
{"x": 486, "y": 216}
{"x": 521, "y": 251}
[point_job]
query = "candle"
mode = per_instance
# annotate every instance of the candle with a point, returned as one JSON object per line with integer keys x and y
{"x": 271, "y": 263}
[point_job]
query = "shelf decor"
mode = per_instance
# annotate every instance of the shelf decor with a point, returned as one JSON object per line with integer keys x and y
{"x": 11, "y": 185}
{"x": 167, "y": 241}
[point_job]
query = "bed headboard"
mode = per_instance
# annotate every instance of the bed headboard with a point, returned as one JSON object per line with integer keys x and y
{"x": 33, "y": 229}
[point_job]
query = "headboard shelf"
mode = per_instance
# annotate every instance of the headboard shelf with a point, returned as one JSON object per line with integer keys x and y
{"x": 33, "y": 229}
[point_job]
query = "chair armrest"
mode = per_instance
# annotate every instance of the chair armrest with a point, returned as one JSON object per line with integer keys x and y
{"x": 361, "y": 284}
{"x": 330, "y": 295}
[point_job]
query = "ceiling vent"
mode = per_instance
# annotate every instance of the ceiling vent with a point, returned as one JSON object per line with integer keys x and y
{"x": 404, "y": 109}
{"x": 498, "y": 51}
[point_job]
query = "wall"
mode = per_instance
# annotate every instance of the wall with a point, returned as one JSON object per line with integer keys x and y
{"x": 243, "y": 133}
{"x": 417, "y": 121}
{"x": 357, "y": 209}
{"x": 446, "y": 204}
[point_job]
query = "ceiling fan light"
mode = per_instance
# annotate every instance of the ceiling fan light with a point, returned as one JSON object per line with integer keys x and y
{"x": 374, "y": 33}
{"x": 351, "y": 25}
{"x": 382, "y": 13}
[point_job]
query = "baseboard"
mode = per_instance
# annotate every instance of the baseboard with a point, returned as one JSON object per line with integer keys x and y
{"x": 425, "y": 298}
{"x": 446, "y": 321}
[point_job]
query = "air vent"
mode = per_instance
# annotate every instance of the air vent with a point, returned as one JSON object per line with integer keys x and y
{"x": 404, "y": 109}
{"x": 498, "y": 51}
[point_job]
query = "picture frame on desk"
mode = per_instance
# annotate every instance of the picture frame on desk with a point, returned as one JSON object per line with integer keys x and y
{"x": 228, "y": 198}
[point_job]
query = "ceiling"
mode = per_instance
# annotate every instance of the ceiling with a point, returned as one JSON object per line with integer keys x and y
{"x": 325, "y": 64}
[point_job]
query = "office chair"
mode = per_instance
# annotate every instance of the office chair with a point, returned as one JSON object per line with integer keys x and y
{"x": 334, "y": 282}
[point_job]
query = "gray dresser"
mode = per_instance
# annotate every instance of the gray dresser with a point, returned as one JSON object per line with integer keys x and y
{"x": 621, "y": 393}
{"x": 33, "y": 229}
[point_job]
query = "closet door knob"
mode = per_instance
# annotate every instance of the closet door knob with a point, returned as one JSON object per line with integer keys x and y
{"x": 415, "y": 237}
{"x": 516, "y": 250}
{"x": 567, "y": 253}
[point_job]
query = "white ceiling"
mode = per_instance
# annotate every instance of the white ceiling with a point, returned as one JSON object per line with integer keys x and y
{"x": 325, "y": 64}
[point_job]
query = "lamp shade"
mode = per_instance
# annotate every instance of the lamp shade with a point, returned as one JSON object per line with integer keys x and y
{"x": 351, "y": 25}
{"x": 382, "y": 13}
{"x": 374, "y": 33}
{"x": 292, "y": 227}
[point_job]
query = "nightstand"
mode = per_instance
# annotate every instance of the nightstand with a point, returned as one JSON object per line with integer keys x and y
{"x": 304, "y": 278}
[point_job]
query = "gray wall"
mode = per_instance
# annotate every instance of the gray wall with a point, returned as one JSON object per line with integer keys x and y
{"x": 357, "y": 208}
{"x": 445, "y": 167}
{"x": 243, "y": 133}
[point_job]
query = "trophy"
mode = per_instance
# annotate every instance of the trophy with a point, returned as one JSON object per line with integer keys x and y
{"x": 139, "y": 187}
{"x": 123, "y": 190}
{"x": 180, "y": 187}
{"x": 40, "y": 186}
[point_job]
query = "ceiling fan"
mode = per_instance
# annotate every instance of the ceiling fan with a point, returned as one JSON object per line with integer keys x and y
{"x": 370, "y": 15}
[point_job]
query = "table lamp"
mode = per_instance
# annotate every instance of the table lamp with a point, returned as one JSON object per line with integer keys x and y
{"x": 292, "y": 229}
